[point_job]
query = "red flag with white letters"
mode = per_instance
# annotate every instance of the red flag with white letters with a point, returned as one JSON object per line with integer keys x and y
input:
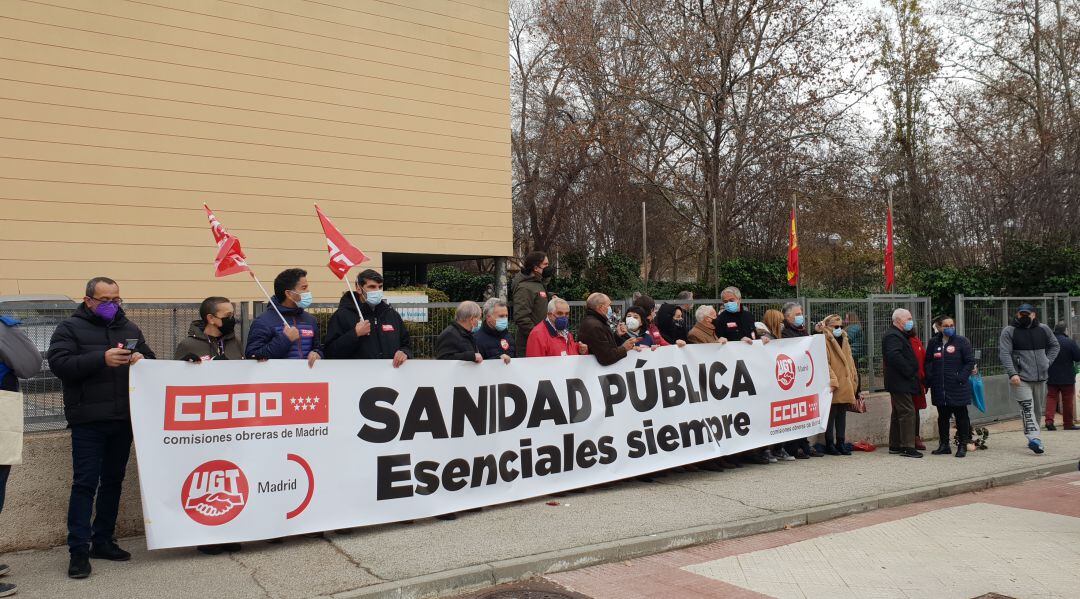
{"x": 230, "y": 258}
{"x": 343, "y": 255}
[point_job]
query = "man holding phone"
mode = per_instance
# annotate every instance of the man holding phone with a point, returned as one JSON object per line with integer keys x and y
{"x": 91, "y": 352}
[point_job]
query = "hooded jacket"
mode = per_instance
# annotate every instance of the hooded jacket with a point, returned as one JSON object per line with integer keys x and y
{"x": 267, "y": 339}
{"x": 93, "y": 392}
{"x": 529, "y": 301}
{"x": 198, "y": 344}
{"x": 388, "y": 333}
{"x": 1028, "y": 351}
{"x": 948, "y": 367}
{"x": 669, "y": 329}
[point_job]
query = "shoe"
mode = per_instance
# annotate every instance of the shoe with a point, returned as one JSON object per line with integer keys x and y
{"x": 4, "y": 569}
{"x": 814, "y": 453}
{"x": 801, "y": 455}
{"x": 111, "y": 552}
{"x": 210, "y": 549}
{"x": 919, "y": 445}
{"x": 758, "y": 458}
{"x": 277, "y": 541}
{"x": 943, "y": 449}
{"x": 785, "y": 456}
{"x": 768, "y": 455}
{"x": 843, "y": 448}
{"x": 7, "y": 589}
{"x": 1070, "y": 427}
{"x": 726, "y": 463}
{"x": 961, "y": 451}
{"x": 1050, "y": 426}
{"x": 712, "y": 466}
{"x": 895, "y": 450}
{"x": 1036, "y": 445}
{"x": 231, "y": 547}
{"x": 910, "y": 453}
{"x": 79, "y": 567}
{"x": 446, "y": 517}
{"x": 831, "y": 449}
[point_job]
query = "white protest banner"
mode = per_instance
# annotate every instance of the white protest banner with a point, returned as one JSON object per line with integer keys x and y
{"x": 237, "y": 451}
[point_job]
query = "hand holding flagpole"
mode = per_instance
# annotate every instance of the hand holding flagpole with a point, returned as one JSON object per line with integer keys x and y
{"x": 343, "y": 255}
{"x": 231, "y": 260}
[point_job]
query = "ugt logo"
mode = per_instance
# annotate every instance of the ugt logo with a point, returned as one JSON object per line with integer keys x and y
{"x": 785, "y": 372}
{"x": 214, "y": 493}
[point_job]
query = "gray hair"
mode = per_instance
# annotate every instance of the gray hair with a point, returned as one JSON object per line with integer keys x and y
{"x": 593, "y": 301}
{"x": 789, "y": 308}
{"x": 685, "y": 295}
{"x": 704, "y": 310}
{"x": 899, "y": 314}
{"x": 466, "y": 310}
{"x": 91, "y": 285}
{"x": 491, "y": 304}
{"x": 733, "y": 291}
{"x": 553, "y": 305}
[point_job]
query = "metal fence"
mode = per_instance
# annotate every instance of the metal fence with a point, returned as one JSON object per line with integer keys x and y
{"x": 981, "y": 320}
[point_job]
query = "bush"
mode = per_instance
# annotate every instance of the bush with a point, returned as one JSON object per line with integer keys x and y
{"x": 458, "y": 284}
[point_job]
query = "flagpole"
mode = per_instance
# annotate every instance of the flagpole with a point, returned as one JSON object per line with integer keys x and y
{"x": 795, "y": 218}
{"x": 270, "y": 301}
{"x": 349, "y": 289}
{"x": 888, "y": 237}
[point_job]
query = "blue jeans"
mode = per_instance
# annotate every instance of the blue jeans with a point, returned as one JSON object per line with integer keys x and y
{"x": 99, "y": 456}
{"x": 4, "y": 471}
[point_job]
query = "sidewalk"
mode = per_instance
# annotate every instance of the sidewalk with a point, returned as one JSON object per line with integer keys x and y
{"x": 502, "y": 543}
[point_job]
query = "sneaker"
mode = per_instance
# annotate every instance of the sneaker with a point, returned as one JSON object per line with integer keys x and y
{"x": 895, "y": 450}
{"x": 758, "y": 458}
{"x": 910, "y": 453}
{"x": 79, "y": 567}
{"x": 768, "y": 454}
{"x": 7, "y": 589}
{"x": 785, "y": 456}
{"x": 110, "y": 551}
{"x": 1036, "y": 445}
{"x": 4, "y": 569}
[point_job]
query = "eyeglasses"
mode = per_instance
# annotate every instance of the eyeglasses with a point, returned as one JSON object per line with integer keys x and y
{"x": 117, "y": 301}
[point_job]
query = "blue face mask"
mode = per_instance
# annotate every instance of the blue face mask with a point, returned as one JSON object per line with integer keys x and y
{"x": 305, "y": 300}
{"x": 949, "y": 331}
{"x": 501, "y": 324}
{"x": 731, "y": 307}
{"x": 475, "y": 328}
{"x": 838, "y": 333}
{"x": 800, "y": 320}
{"x": 562, "y": 323}
{"x": 373, "y": 297}
{"x": 909, "y": 325}
{"x": 610, "y": 313}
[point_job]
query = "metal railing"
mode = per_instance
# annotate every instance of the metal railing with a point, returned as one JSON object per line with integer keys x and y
{"x": 981, "y": 320}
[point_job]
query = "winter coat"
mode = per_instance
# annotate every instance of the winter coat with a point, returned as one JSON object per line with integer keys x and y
{"x": 843, "y": 375}
{"x": 545, "y": 340}
{"x": 656, "y": 337}
{"x": 493, "y": 343}
{"x": 948, "y": 367}
{"x": 455, "y": 343}
{"x": 901, "y": 364}
{"x": 19, "y": 357}
{"x": 387, "y": 337}
{"x": 734, "y": 326}
{"x": 702, "y": 333}
{"x": 267, "y": 339}
{"x": 198, "y": 344}
{"x": 920, "y": 357}
{"x": 528, "y": 305}
{"x": 791, "y": 331}
{"x": 93, "y": 392}
{"x": 595, "y": 332}
{"x": 665, "y": 323}
{"x": 1061, "y": 369}
{"x": 1028, "y": 351}
{"x": 644, "y": 339}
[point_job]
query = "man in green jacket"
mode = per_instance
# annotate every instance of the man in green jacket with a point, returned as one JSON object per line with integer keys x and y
{"x": 530, "y": 298}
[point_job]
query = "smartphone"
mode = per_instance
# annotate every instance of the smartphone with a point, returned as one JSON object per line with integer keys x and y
{"x": 131, "y": 344}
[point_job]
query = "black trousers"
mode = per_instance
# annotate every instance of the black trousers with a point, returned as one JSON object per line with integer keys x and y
{"x": 99, "y": 456}
{"x": 963, "y": 423}
{"x": 837, "y": 427}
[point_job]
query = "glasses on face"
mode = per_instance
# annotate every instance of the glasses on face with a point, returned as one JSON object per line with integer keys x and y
{"x": 105, "y": 300}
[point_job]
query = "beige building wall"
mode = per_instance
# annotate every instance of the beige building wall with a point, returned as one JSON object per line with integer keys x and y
{"x": 119, "y": 119}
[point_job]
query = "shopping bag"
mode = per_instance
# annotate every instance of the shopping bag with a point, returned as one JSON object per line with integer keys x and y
{"x": 978, "y": 392}
{"x": 11, "y": 427}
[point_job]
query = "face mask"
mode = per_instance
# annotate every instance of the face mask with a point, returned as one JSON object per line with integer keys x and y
{"x": 800, "y": 320}
{"x": 949, "y": 331}
{"x": 227, "y": 325}
{"x": 562, "y": 323}
{"x": 838, "y": 333}
{"x": 1025, "y": 321}
{"x": 305, "y": 299}
{"x": 731, "y": 307}
{"x": 547, "y": 273}
{"x": 909, "y": 326}
{"x": 610, "y": 313}
{"x": 633, "y": 324}
{"x": 501, "y": 324}
{"x": 107, "y": 311}
{"x": 373, "y": 297}
{"x": 678, "y": 322}
{"x": 475, "y": 328}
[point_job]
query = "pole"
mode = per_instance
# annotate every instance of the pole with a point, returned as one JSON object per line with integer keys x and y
{"x": 268, "y": 300}
{"x": 348, "y": 288}
{"x": 644, "y": 246}
{"x": 715, "y": 254}
{"x": 889, "y": 235}
{"x": 795, "y": 211}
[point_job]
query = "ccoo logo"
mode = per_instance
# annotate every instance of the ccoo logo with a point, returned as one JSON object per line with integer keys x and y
{"x": 214, "y": 493}
{"x": 785, "y": 372}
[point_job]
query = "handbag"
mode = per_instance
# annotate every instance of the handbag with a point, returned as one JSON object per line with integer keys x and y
{"x": 978, "y": 391}
{"x": 11, "y": 428}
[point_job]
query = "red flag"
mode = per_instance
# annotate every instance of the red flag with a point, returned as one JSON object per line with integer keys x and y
{"x": 343, "y": 255}
{"x": 890, "y": 273}
{"x": 230, "y": 258}
{"x": 793, "y": 253}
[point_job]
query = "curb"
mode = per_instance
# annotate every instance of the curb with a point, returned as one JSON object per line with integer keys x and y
{"x": 471, "y": 578}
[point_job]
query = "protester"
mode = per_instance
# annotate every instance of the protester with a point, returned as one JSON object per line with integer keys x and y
{"x": 19, "y": 358}
{"x": 636, "y": 323}
{"x": 844, "y": 380}
{"x": 1026, "y": 349}
{"x": 594, "y": 332}
{"x": 671, "y": 318}
{"x": 529, "y": 296}
{"x": 493, "y": 339}
{"x": 457, "y": 341}
{"x": 856, "y": 335}
{"x": 272, "y": 339}
{"x": 795, "y": 326}
{"x": 733, "y": 322}
{"x": 949, "y": 363}
{"x": 902, "y": 382}
{"x": 213, "y": 336}
{"x": 1061, "y": 381}
{"x": 552, "y": 336}
{"x": 91, "y": 352}
{"x": 919, "y": 399}
{"x": 774, "y": 322}
{"x": 652, "y": 330}
{"x": 381, "y": 333}
{"x": 704, "y": 331}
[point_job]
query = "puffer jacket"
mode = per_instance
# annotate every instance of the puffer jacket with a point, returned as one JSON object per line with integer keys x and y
{"x": 1028, "y": 351}
{"x": 387, "y": 337}
{"x": 267, "y": 339}
{"x": 948, "y": 368}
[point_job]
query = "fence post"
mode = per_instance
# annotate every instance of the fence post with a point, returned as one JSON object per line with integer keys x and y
{"x": 870, "y": 345}
{"x": 959, "y": 301}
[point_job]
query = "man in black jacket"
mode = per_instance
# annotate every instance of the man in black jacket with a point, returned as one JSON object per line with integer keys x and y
{"x": 456, "y": 342}
{"x": 594, "y": 332}
{"x": 91, "y": 352}
{"x": 381, "y": 335}
{"x": 733, "y": 322}
{"x": 494, "y": 339}
{"x": 902, "y": 383}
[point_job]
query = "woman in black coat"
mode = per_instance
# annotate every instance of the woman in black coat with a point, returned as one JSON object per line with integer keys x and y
{"x": 949, "y": 363}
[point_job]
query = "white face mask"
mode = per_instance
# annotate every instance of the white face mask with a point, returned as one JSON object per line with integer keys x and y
{"x": 633, "y": 324}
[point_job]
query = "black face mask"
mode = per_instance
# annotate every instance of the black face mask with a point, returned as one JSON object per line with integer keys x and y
{"x": 1025, "y": 321}
{"x": 227, "y": 325}
{"x": 678, "y": 322}
{"x": 547, "y": 273}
